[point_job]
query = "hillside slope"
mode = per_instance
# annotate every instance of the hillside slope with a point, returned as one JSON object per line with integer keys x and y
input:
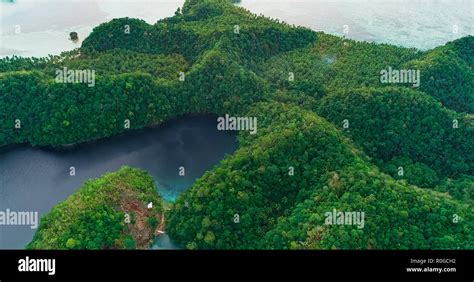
{"x": 331, "y": 134}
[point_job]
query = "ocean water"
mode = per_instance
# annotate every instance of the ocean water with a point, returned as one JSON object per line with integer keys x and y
{"x": 42, "y": 27}
{"x": 421, "y": 24}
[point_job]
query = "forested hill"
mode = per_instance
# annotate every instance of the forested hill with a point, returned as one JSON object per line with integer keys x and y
{"x": 111, "y": 212}
{"x": 354, "y": 141}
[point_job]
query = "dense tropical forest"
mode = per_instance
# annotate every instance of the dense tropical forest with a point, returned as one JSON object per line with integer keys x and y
{"x": 111, "y": 212}
{"x": 330, "y": 134}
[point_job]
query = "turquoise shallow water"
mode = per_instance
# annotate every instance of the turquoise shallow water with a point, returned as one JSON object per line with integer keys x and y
{"x": 39, "y": 28}
{"x": 163, "y": 242}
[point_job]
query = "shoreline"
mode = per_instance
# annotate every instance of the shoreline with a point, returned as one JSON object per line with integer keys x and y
{"x": 72, "y": 146}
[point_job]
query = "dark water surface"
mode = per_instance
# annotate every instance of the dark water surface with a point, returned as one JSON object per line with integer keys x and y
{"x": 36, "y": 179}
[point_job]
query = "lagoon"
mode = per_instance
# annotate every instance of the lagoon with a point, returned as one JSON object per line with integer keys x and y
{"x": 36, "y": 179}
